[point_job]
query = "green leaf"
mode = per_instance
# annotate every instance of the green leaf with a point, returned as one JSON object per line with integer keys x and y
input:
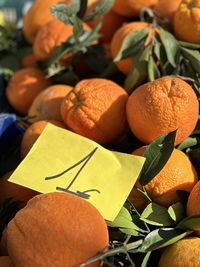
{"x": 151, "y": 75}
{"x": 194, "y": 57}
{"x": 176, "y": 212}
{"x": 66, "y": 13}
{"x": 157, "y": 155}
{"x": 145, "y": 55}
{"x": 171, "y": 46}
{"x": 157, "y": 49}
{"x": 146, "y": 259}
{"x": 189, "y": 142}
{"x": 137, "y": 75}
{"x": 157, "y": 215}
{"x": 189, "y": 45}
{"x": 160, "y": 238}
{"x": 77, "y": 29}
{"x": 132, "y": 43}
{"x": 130, "y": 232}
{"x": 124, "y": 220}
{"x": 91, "y": 36}
{"x": 101, "y": 9}
{"x": 190, "y": 223}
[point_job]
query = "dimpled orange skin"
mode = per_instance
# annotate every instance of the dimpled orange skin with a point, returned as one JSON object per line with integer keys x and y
{"x": 162, "y": 106}
{"x": 131, "y": 8}
{"x": 183, "y": 253}
{"x": 24, "y": 86}
{"x": 33, "y": 132}
{"x": 187, "y": 21}
{"x": 46, "y": 105}
{"x": 54, "y": 230}
{"x": 117, "y": 41}
{"x": 193, "y": 207}
{"x": 95, "y": 108}
{"x": 5, "y": 261}
{"x": 177, "y": 174}
{"x": 17, "y": 192}
{"x": 38, "y": 15}
{"x": 167, "y": 8}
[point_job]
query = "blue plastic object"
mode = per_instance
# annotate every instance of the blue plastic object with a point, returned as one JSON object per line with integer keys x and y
{"x": 9, "y": 131}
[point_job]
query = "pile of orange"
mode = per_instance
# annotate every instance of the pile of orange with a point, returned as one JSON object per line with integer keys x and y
{"x": 100, "y": 109}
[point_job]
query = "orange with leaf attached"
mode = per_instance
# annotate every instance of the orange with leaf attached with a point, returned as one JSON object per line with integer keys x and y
{"x": 95, "y": 108}
{"x": 162, "y": 106}
{"x": 131, "y": 8}
{"x": 47, "y": 232}
{"x": 186, "y": 21}
{"x": 177, "y": 174}
{"x": 120, "y": 35}
{"x": 24, "y": 86}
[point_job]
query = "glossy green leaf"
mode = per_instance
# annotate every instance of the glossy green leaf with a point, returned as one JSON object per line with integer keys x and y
{"x": 101, "y": 9}
{"x": 194, "y": 57}
{"x": 157, "y": 215}
{"x": 151, "y": 74}
{"x": 190, "y": 223}
{"x": 189, "y": 142}
{"x": 160, "y": 238}
{"x": 171, "y": 46}
{"x": 137, "y": 75}
{"x": 176, "y": 212}
{"x": 189, "y": 45}
{"x": 132, "y": 43}
{"x": 157, "y": 155}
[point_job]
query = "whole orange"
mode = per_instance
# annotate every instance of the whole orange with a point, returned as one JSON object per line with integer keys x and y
{"x": 50, "y": 36}
{"x": 95, "y": 108}
{"x": 167, "y": 8}
{"x": 183, "y": 253}
{"x": 38, "y": 14}
{"x": 46, "y": 105}
{"x": 187, "y": 21}
{"x": 162, "y": 106}
{"x": 24, "y": 86}
{"x": 33, "y": 132}
{"x": 5, "y": 261}
{"x": 54, "y": 230}
{"x": 193, "y": 203}
{"x": 17, "y": 192}
{"x": 118, "y": 38}
{"x": 131, "y": 8}
{"x": 177, "y": 174}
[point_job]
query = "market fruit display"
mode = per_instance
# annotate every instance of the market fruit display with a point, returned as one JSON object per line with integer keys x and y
{"x": 123, "y": 76}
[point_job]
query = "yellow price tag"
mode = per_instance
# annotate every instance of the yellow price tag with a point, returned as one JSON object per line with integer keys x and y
{"x": 63, "y": 161}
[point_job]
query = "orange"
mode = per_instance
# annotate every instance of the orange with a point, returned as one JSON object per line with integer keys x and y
{"x": 29, "y": 61}
{"x": 110, "y": 22}
{"x": 187, "y": 21}
{"x": 177, "y": 174}
{"x": 33, "y": 132}
{"x": 17, "y": 192}
{"x": 131, "y": 8}
{"x": 118, "y": 38}
{"x": 167, "y": 8}
{"x": 193, "y": 203}
{"x": 24, "y": 86}
{"x": 38, "y": 14}
{"x": 50, "y": 36}
{"x": 184, "y": 253}
{"x": 162, "y": 106}
{"x": 46, "y": 106}
{"x": 54, "y": 230}
{"x": 5, "y": 261}
{"x": 95, "y": 108}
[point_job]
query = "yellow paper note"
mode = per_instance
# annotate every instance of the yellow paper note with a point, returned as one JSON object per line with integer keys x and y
{"x": 63, "y": 161}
